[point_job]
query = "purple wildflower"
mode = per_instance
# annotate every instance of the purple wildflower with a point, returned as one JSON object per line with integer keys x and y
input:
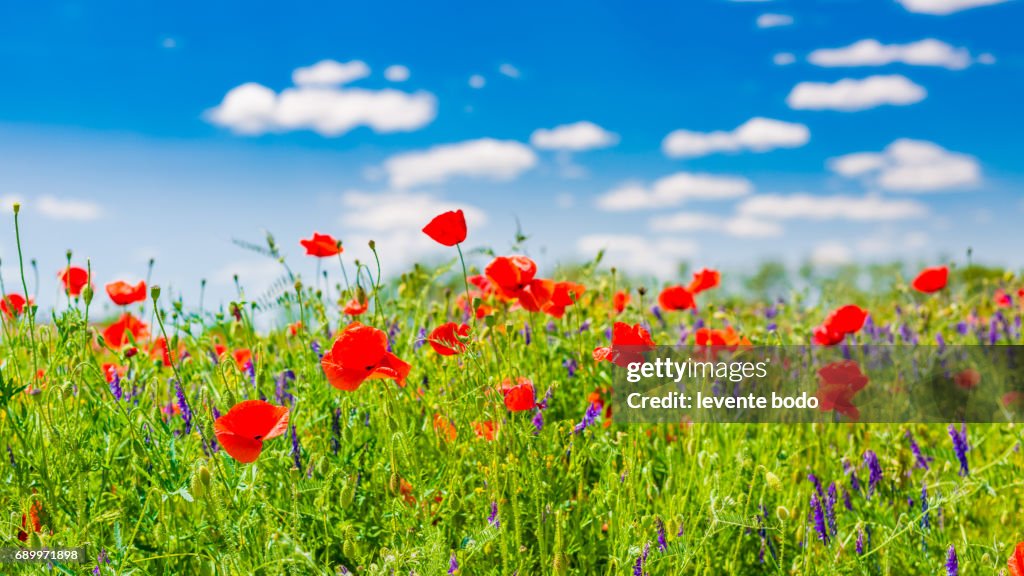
{"x": 847, "y": 501}
{"x": 818, "y": 518}
{"x": 421, "y": 339}
{"x": 874, "y": 471}
{"x": 960, "y": 446}
{"x": 830, "y": 509}
{"x": 925, "y": 523}
{"x": 817, "y": 484}
{"x": 952, "y": 563}
{"x": 852, "y": 473}
{"x": 860, "y": 542}
{"x": 186, "y": 412}
{"x": 571, "y": 366}
{"x": 336, "y": 431}
{"x": 315, "y": 347}
{"x": 638, "y": 568}
{"x": 527, "y": 333}
{"x": 593, "y": 411}
{"x": 115, "y": 385}
{"x": 296, "y": 449}
{"x": 538, "y": 422}
{"x": 453, "y": 564}
{"x": 921, "y": 460}
{"x": 493, "y": 519}
{"x": 656, "y": 312}
{"x": 281, "y": 393}
{"x": 662, "y": 542}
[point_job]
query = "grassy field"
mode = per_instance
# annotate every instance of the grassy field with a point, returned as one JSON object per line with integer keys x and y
{"x": 109, "y": 435}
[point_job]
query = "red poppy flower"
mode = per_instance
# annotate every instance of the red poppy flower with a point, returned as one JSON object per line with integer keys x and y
{"x": 485, "y": 429}
{"x": 160, "y": 350}
{"x": 826, "y": 336}
{"x": 35, "y": 512}
{"x": 847, "y": 319}
{"x": 112, "y": 370}
{"x": 444, "y": 428}
{"x": 706, "y": 279}
{"x": 356, "y": 308}
{"x": 537, "y": 295}
{"x": 295, "y": 328}
{"x": 322, "y": 246}
{"x": 967, "y": 378}
{"x": 1002, "y": 299}
{"x": 449, "y": 338}
{"x": 715, "y": 337}
{"x": 676, "y": 298}
{"x": 13, "y": 304}
{"x": 931, "y": 279}
{"x": 838, "y": 383}
{"x": 519, "y": 396}
{"x": 361, "y": 353}
{"x": 511, "y": 274}
{"x": 74, "y": 279}
{"x": 1016, "y": 561}
{"x": 243, "y": 357}
{"x": 448, "y": 228}
{"x": 563, "y": 295}
{"x": 628, "y": 345}
{"x": 247, "y": 425}
{"x": 116, "y": 335}
{"x": 620, "y": 300}
{"x": 123, "y": 293}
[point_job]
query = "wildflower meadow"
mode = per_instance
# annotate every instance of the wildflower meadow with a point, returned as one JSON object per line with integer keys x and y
{"x": 458, "y": 420}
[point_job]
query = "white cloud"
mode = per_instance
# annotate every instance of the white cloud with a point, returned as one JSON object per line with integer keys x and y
{"x": 509, "y": 70}
{"x": 673, "y": 190}
{"x": 477, "y": 81}
{"x": 254, "y": 109}
{"x": 783, "y": 58}
{"x": 944, "y": 7}
{"x": 773, "y": 20}
{"x": 756, "y": 134}
{"x": 330, "y": 73}
{"x": 484, "y": 158}
{"x": 810, "y": 207}
{"x": 911, "y": 166}
{"x": 986, "y": 59}
{"x": 737, "y": 226}
{"x": 573, "y": 137}
{"x": 68, "y": 209}
{"x": 870, "y": 52}
{"x": 396, "y": 73}
{"x": 7, "y": 202}
{"x": 830, "y": 254}
{"x": 389, "y": 211}
{"x": 638, "y": 254}
{"x": 889, "y": 243}
{"x": 851, "y": 95}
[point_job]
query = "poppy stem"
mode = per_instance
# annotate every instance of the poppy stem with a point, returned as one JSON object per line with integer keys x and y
{"x": 465, "y": 280}
{"x": 24, "y": 286}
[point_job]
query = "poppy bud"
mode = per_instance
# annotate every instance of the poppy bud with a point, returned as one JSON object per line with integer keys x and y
{"x": 373, "y": 245}
{"x": 641, "y": 291}
{"x": 782, "y": 513}
{"x": 298, "y": 285}
{"x": 17, "y": 208}
{"x": 348, "y": 494}
{"x": 154, "y": 293}
{"x": 87, "y": 294}
{"x": 131, "y": 352}
{"x": 68, "y": 254}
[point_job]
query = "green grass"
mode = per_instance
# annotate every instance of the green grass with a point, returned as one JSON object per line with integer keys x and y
{"x": 386, "y": 493}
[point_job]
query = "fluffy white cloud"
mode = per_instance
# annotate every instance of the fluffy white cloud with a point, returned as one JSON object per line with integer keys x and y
{"x": 68, "y": 209}
{"x": 851, "y": 95}
{"x": 773, "y": 20}
{"x": 477, "y": 81}
{"x": 944, "y": 7}
{"x": 573, "y": 137}
{"x": 509, "y": 70}
{"x": 737, "y": 226}
{"x": 330, "y": 111}
{"x": 811, "y": 207}
{"x": 870, "y": 52}
{"x": 483, "y": 158}
{"x": 783, "y": 58}
{"x": 396, "y": 73}
{"x": 911, "y": 166}
{"x": 830, "y": 254}
{"x": 673, "y": 190}
{"x": 756, "y": 134}
{"x": 658, "y": 257}
{"x": 330, "y": 73}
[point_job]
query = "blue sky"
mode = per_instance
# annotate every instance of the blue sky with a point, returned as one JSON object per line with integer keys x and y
{"x": 720, "y": 133}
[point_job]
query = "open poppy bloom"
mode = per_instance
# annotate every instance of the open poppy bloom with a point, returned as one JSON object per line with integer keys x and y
{"x": 563, "y": 295}
{"x": 510, "y": 275}
{"x": 1016, "y": 561}
{"x": 161, "y": 350}
{"x": 716, "y": 337}
{"x": 449, "y": 338}
{"x": 74, "y": 279}
{"x": 242, "y": 431}
{"x": 35, "y": 512}
{"x": 676, "y": 298}
{"x": 620, "y": 300}
{"x": 123, "y": 293}
{"x": 322, "y": 246}
{"x": 844, "y": 320}
{"x": 519, "y": 396}
{"x": 356, "y": 308}
{"x": 1002, "y": 299}
{"x": 706, "y": 279}
{"x": 13, "y": 304}
{"x": 628, "y": 345}
{"x": 116, "y": 335}
{"x": 448, "y": 228}
{"x": 444, "y": 428}
{"x": 537, "y": 295}
{"x": 485, "y": 429}
{"x": 361, "y": 353}
{"x": 931, "y": 279}
{"x": 113, "y": 371}
{"x": 838, "y": 383}
{"x": 967, "y": 379}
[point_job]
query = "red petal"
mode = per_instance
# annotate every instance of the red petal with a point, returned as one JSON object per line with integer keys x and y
{"x": 448, "y": 228}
